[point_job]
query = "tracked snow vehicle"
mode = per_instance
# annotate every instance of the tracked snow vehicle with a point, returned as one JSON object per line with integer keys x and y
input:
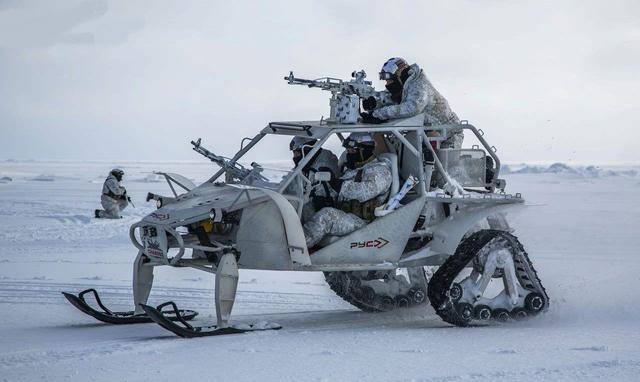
{"x": 446, "y": 239}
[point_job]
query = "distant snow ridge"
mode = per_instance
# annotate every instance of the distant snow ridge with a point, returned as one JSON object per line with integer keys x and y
{"x": 151, "y": 178}
{"x": 5, "y": 179}
{"x": 529, "y": 170}
{"x": 562, "y": 168}
{"x": 43, "y": 178}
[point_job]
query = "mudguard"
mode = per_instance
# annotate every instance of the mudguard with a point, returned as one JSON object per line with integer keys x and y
{"x": 271, "y": 236}
{"x": 448, "y": 233}
{"x": 293, "y": 228}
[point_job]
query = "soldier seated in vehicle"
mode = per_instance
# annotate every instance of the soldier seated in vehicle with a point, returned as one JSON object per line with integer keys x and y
{"x": 365, "y": 185}
{"x": 323, "y": 194}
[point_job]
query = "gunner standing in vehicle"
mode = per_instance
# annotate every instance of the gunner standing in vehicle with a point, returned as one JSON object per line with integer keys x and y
{"x": 114, "y": 197}
{"x": 323, "y": 195}
{"x": 409, "y": 93}
{"x": 365, "y": 185}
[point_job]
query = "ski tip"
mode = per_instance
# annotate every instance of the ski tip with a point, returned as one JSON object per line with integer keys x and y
{"x": 72, "y": 298}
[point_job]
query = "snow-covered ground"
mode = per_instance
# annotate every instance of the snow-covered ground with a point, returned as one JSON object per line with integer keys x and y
{"x": 581, "y": 232}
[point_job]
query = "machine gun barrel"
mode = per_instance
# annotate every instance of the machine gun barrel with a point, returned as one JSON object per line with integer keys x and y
{"x": 206, "y": 153}
{"x": 357, "y": 86}
{"x": 326, "y": 83}
{"x": 235, "y": 170}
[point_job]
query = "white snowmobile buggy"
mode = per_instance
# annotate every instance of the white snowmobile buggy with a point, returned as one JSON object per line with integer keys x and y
{"x": 243, "y": 218}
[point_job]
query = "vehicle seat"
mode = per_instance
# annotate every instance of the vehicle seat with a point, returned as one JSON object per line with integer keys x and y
{"x": 392, "y": 160}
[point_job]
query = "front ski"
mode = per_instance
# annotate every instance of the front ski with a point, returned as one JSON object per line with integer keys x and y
{"x": 117, "y": 318}
{"x": 186, "y": 330}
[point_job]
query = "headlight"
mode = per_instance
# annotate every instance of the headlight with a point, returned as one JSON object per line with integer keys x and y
{"x": 159, "y": 203}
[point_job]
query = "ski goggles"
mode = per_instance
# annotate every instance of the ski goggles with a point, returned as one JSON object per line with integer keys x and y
{"x": 352, "y": 144}
{"x": 386, "y": 76}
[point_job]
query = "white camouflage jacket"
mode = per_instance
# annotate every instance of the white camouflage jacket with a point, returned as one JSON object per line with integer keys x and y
{"x": 374, "y": 181}
{"x": 111, "y": 185}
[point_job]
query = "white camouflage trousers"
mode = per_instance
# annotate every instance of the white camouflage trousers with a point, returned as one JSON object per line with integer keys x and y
{"x": 112, "y": 207}
{"x": 330, "y": 221}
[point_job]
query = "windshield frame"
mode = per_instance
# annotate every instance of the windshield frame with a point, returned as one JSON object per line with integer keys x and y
{"x": 322, "y": 132}
{"x": 284, "y": 128}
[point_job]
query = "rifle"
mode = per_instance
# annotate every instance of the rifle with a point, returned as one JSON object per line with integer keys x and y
{"x": 232, "y": 169}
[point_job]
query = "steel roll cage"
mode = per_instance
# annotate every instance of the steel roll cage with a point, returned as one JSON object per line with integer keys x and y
{"x": 322, "y": 132}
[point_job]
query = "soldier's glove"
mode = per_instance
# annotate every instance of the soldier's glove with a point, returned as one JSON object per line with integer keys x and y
{"x": 369, "y": 103}
{"x": 369, "y": 118}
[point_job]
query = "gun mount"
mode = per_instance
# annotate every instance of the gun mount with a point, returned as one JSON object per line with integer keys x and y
{"x": 345, "y": 95}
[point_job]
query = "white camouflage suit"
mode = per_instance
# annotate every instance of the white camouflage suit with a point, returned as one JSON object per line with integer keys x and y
{"x": 112, "y": 207}
{"x": 375, "y": 182}
{"x": 324, "y": 161}
{"x": 419, "y": 96}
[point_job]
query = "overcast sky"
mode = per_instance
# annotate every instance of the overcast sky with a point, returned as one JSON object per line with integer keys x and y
{"x": 134, "y": 80}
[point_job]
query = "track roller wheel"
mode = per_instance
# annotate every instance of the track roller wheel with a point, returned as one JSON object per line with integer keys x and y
{"x": 534, "y": 302}
{"x": 387, "y": 303}
{"x": 519, "y": 314}
{"x": 403, "y": 301}
{"x": 465, "y": 310}
{"x": 501, "y": 315}
{"x": 417, "y": 295}
{"x": 455, "y": 292}
{"x": 482, "y": 312}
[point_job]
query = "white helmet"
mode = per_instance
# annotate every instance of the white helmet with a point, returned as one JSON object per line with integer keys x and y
{"x": 392, "y": 67}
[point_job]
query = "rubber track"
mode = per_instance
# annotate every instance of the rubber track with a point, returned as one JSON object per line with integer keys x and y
{"x": 438, "y": 290}
{"x": 346, "y": 292}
